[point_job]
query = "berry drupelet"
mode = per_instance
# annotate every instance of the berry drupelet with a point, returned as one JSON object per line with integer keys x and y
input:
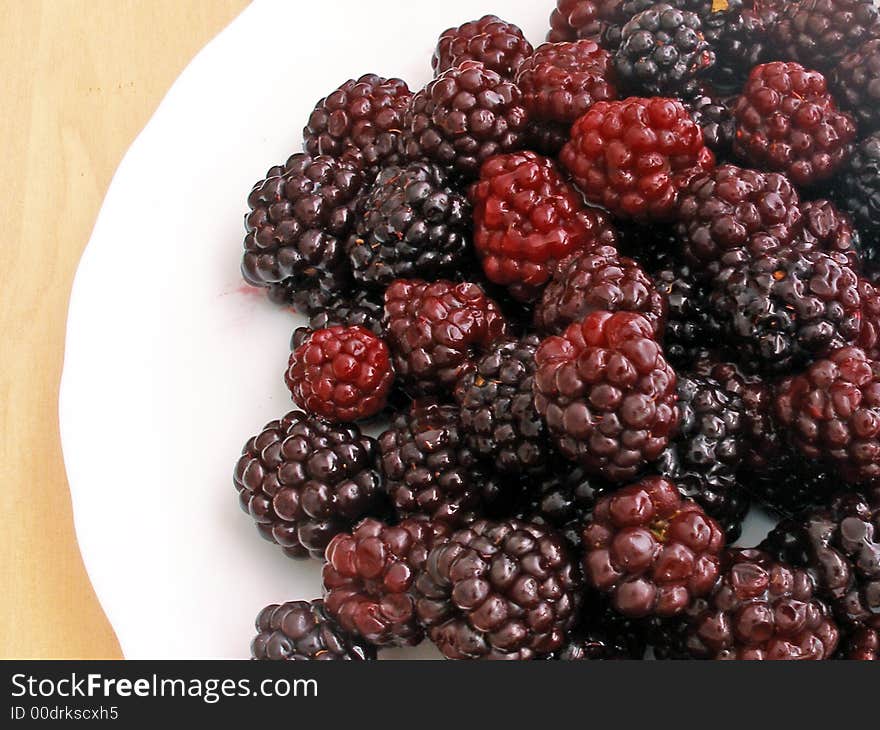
{"x": 598, "y": 279}
{"x": 463, "y": 117}
{"x": 498, "y": 590}
{"x": 663, "y": 52}
{"x": 302, "y": 631}
{"x": 300, "y": 216}
{"x": 498, "y": 45}
{"x": 762, "y": 609}
{"x": 498, "y": 415}
{"x": 527, "y": 217}
{"x": 430, "y": 470}
{"x": 855, "y": 82}
{"x": 436, "y": 330}
{"x": 369, "y": 576}
{"x": 607, "y": 393}
{"x": 341, "y": 373}
{"x": 653, "y": 551}
{"x": 304, "y": 479}
{"x": 633, "y": 156}
{"x": 858, "y": 189}
{"x": 359, "y": 123}
{"x": 832, "y": 412}
{"x": 788, "y": 122}
{"x": 411, "y": 224}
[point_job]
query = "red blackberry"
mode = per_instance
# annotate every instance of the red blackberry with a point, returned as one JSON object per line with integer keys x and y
{"x": 663, "y": 52}
{"x": 607, "y": 393}
{"x": 498, "y": 416}
{"x": 762, "y": 609}
{"x": 498, "y": 45}
{"x": 709, "y": 446}
{"x": 369, "y": 577}
{"x": 633, "y": 156}
{"x": 359, "y": 123}
{"x": 527, "y": 218}
{"x": 330, "y": 309}
{"x": 782, "y": 310}
{"x": 304, "y": 479}
{"x": 602, "y": 634}
{"x": 435, "y": 331}
{"x": 858, "y": 190}
{"x": 341, "y": 373}
{"x": 498, "y": 590}
{"x": 738, "y": 214}
{"x": 411, "y": 224}
{"x": 856, "y": 84}
{"x": 839, "y": 545}
{"x": 572, "y": 20}
{"x": 429, "y": 468}
{"x": 561, "y": 81}
{"x": 300, "y": 216}
{"x": 714, "y": 116}
{"x": 463, "y": 117}
{"x": 598, "y": 279}
{"x": 787, "y": 122}
{"x": 650, "y": 549}
{"x": 832, "y": 412}
{"x": 302, "y": 631}
{"x": 819, "y": 33}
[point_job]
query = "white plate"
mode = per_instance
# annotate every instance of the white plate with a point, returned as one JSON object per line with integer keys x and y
{"x": 171, "y": 362}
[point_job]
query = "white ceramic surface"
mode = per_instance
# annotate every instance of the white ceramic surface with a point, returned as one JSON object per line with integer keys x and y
{"x": 171, "y": 362}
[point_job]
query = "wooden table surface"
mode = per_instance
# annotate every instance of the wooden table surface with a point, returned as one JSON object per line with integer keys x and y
{"x": 78, "y": 80}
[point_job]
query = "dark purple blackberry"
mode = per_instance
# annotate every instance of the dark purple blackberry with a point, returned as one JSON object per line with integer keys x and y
{"x": 739, "y": 35}
{"x": 626, "y": 10}
{"x": 858, "y": 190}
{"x": 603, "y": 634}
{"x": 497, "y": 44}
{"x": 714, "y": 115}
{"x": 855, "y": 82}
{"x": 547, "y": 138}
{"x": 323, "y": 309}
{"x": 663, "y": 52}
{"x": 302, "y": 631}
{"x": 781, "y": 311}
{"x": 498, "y": 416}
{"x": 828, "y": 229}
{"x": 411, "y": 224}
{"x": 430, "y": 470}
{"x": 463, "y": 117}
{"x": 498, "y": 590}
{"x": 304, "y": 479}
{"x": 572, "y": 20}
{"x": 708, "y": 448}
{"x": 301, "y": 215}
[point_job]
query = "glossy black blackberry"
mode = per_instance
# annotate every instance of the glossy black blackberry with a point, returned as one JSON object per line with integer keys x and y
{"x": 300, "y": 217}
{"x": 663, "y": 52}
{"x": 714, "y": 115}
{"x": 324, "y": 309}
{"x": 303, "y": 480}
{"x": 603, "y": 634}
{"x": 739, "y": 35}
{"x": 302, "y": 631}
{"x": 498, "y": 415}
{"x": 858, "y": 190}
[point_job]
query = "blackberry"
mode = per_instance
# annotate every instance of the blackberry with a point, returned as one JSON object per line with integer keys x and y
{"x": 498, "y": 416}
{"x": 325, "y": 309}
{"x": 654, "y": 246}
{"x": 663, "y": 52}
{"x": 788, "y": 122}
{"x": 602, "y": 634}
{"x": 839, "y": 545}
{"x": 858, "y": 190}
{"x": 498, "y": 590}
{"x": 869, "y": 337}
{"x": 463, "y": 117}
{"x": 300, "y": 216}
{"x": 527, "y": 217}
{"x": 762, "y": 609}
{"x": 819, "y": 33}
{"x": 709, "y": 447}
{"x": 607, "y": 393}
{"x": 429, "y": 468}
{"x": 572, "y": 20}
{"x": 856, "y": 85}
{"x": 598, "y": 279}
{"x": 789, "y": 483}
{"x": 828, "y": 229}
{"x": 739, "y": 35}
{"x": 304, "y": 479}
{"x": 436, "y": 330}
{"x": 650, "y": 549}
{"x": 369, "y": 577}
{"x": 547, "y": 138}
{"x": 411, "y": 224}
{"x": 302, "y": 631}
{"x": 359, "y": 123}
{"x": 832, "y": 412}
{"x": 783, "y": 310}
{"x": 498, "y": 45}
{"x": 738, "y": 214}
{"x": 714, "y": 115}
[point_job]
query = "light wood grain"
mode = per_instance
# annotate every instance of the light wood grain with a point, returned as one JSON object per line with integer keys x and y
{"x": 78, "y": 81}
